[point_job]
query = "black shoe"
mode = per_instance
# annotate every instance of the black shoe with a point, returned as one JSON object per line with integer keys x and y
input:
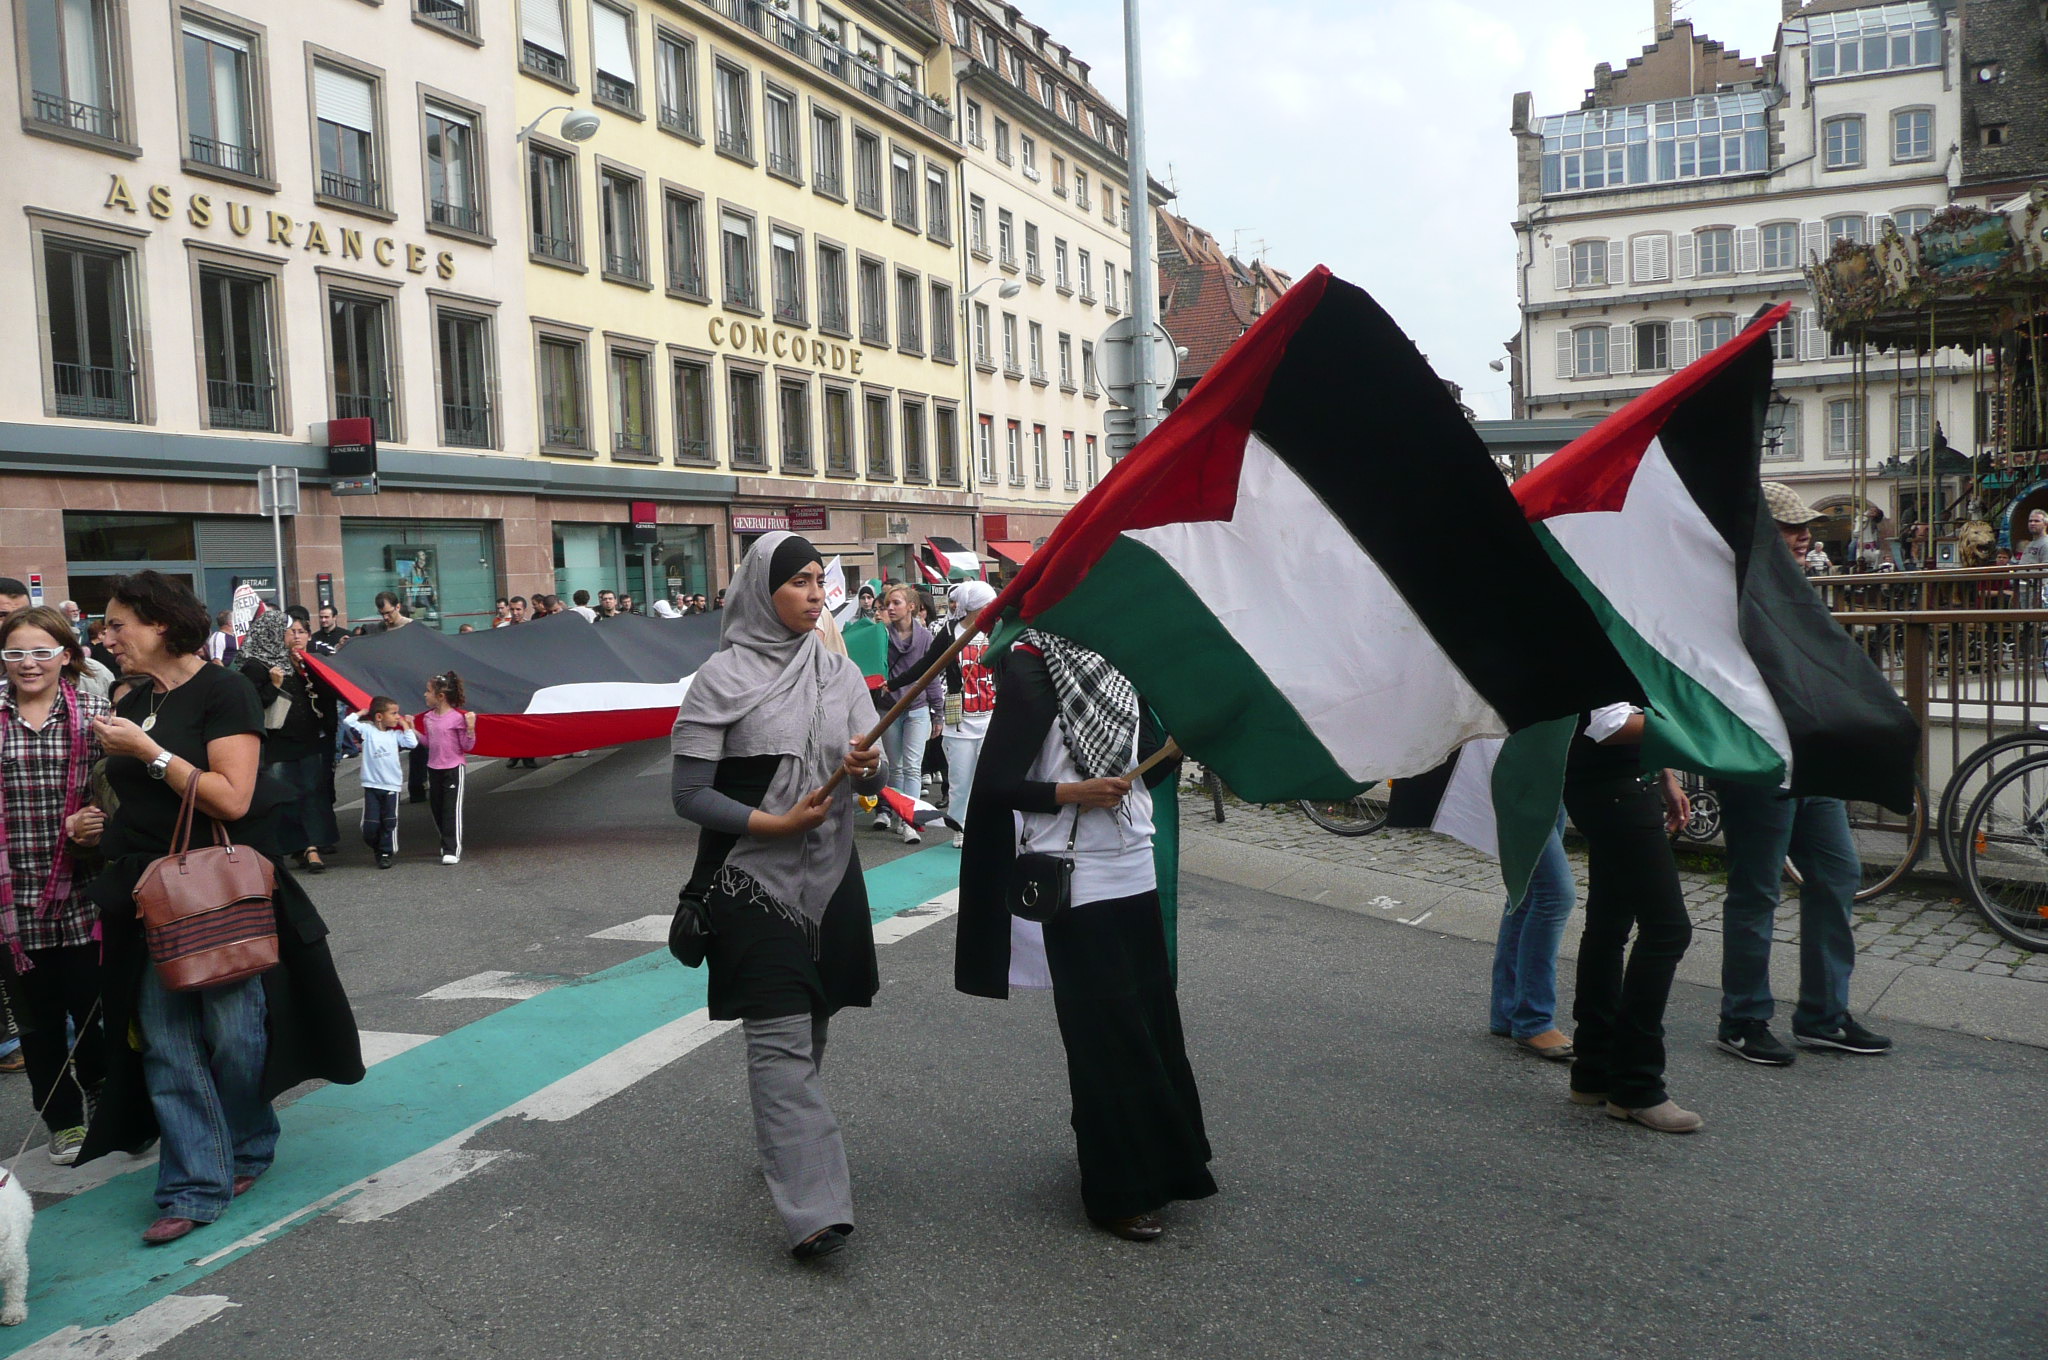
{"x": 819, "y": 1244}
{"x": 1846, "y": 1037}
{"x": 1752, "y": 1041}
{"x": 383, "y": 861}
{"x": 417, "y": 798}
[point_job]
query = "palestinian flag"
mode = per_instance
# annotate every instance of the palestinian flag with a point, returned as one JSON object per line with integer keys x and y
{"x": 543, "y": 688}
{"x": 1656, "y": 516}
{"x": 1314, "y": 570}
{"x": 916, "y": 811}
{"x": 867, "y": 643}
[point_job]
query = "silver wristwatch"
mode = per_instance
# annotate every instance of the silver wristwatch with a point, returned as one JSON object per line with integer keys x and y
{"x": 157, "y": 767}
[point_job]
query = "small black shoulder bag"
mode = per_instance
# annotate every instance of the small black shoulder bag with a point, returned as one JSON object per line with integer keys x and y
{"x": 1042, "y": 884}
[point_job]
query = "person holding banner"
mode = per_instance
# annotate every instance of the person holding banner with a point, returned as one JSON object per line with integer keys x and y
{"x": 767, "y": 722}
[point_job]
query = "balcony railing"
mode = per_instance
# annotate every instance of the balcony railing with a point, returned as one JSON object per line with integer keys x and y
{"x": 942, "y": 348}
{"x": 832, "y": 317}
{"x": 913, "y": 469}
{"x": 350, "y": 187}
{"x": 678, "y": 119}
{"x": 555, "y": 247}
{"x": 790, "y": 310}
{"x": 906, "y": 211}
{"x": 1090, "y": 389}
{"x": 796, "y": 458}
{"x": 869, "y": 198}
{"x": 613, "y": 90}
{"x": 540, "y": 61}
{"x": 240, "y": 405}
{"x": 849, "y": 68}
{"x": 360, "y": 405}
{"x": 96, "y": 393}
{"x": 686, "y": 280}
{"x": 75, "y": 114}
{"x": 449, "y": 13}
{"x": 464, "y": 426}
{"x": 739, "y": 293}
{"x": 563, "y": 436}
{"x": 735, "y": 142}
{"x": 1038, "y": 375}
{"x": 1012, "y": 369}
{"x": 874, "y": 331}
{"x": 226, "y": 155}
{"x": 747, "y": 453}
{"x": 783, "y": 163}
{"x": 638, "y": 443}
{"x": 1067, "y": 384}
{"x": 828, "y": 182}
{"x": 693, "y": 450}
{"x": 626, "y": 264}
{"x": 461, "y": 216}
{"x": 839, "y": 463}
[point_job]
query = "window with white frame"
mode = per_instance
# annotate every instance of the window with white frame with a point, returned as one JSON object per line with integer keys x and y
{"x": 786, "y": 274}
{"x": 1785, "y": 338}
{"x": 345, "y": 106}
{"x": 874, "y": 301}
{"x": 833, "y": 316}
{"x": 1006, "y": 239}
{"x": 631, "y": 376}
{"x": 736, "y": 259}
{"x": 977, "y": 225}
{"x": 1081, "y": 190}
{"x": 1702, "y": 137}
{"x": 621, "y": 218}
{"x": 1015, "y": 442}
{"x": 675, "y": 83}
{"x": 903, "y": 188}
{"x": 827, "y": 153}
{"x": 1845, "y": 427}
{"x": 544, "y": 39}
{"x": 1041, "y": 471}
{"x": 73, "y": 81}
{"x": 1842, "y": 142}
{"x": 1087, "y": 277}
{"x": 682, "y": 228}
{"x": 1847, "y": 227}
{"x": 1059, "y": 265}
{"x": 938, "y": 203}
{"x": 1027, "y": 155}
{"x": 1714, "y": 251}
{"x": 1036, "y": 339}
{"x": 974, "y": 133}
{"x": 985, "y": 449}
{"x": 778, "y": 130}
{"x": 1780, "y": 241}
{"x": 1913, "y": 135}
{"x": 1073, "y": 473}
{"x": 1910, "y": 220}
{"x": 1714, "y": 332}
{"x": 1781, "y": 441}
{"x": 1653, "y": 346}
{"x": 909, "y": 312}
{"x": 1013, "y": 364}
{"x": 454, "y": 189}
{"x": 617, "y": 69}
{"x": 1589, "y": 264}
{"x": 942, "y": 322}
{"x": 1893, "y": 37}
{"x": 912, "y": 420}
{"x": 1589, "y": 352}
{"x": 1912, "y": 423}
{"x": 1033, "y": 267}
{"x": 1066, "y": 348}
{"x": 1109, "y": 285}
{"x": 982, "y": 353}
{"x": 1003, "y": 141}
{"x": 92, "y": 342}
{"x": 734, "y": 119}
{"x": 220, "y": 102}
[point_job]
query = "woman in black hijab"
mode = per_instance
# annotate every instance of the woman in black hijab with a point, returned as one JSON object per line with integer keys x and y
{"x": 766, "y": 722}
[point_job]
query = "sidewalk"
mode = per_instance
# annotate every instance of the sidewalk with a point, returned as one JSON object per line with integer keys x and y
{"x": 1920, "y": 959}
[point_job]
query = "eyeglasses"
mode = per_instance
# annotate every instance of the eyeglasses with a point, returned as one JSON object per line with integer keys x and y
{"x": 31, "y": 654}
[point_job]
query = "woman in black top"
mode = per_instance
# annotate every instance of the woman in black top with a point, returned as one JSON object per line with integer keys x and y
{"x": 210, "y": 1061}
{"x": 766, "y": 722}
{"x": 298, "y": 734}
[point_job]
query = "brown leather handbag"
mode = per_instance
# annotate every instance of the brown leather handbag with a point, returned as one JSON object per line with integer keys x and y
{"x": 207, "y": 913}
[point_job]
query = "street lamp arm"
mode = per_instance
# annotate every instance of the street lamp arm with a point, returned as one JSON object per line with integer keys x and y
{"x": 558, "y": 108}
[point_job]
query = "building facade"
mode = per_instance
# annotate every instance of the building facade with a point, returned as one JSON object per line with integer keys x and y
{"x": 1693, "y": 187}
{"x": 1207, "y": 296}
{"x": 1048, "y": 242}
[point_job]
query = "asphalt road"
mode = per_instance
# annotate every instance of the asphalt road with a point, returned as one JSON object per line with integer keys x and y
{"x": 1394, "y": 1181}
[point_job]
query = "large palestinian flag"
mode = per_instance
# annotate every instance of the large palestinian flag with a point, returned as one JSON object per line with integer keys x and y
{"x": 544, "y": 688}
{"x": 1656, "y": 516}
{"x": 1314, "y": 570}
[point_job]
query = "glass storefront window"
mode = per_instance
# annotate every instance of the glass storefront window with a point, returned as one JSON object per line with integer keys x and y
{"x": 129, "y": 538}
{"x": 597, "y": 557}
{"x": 445, "y": 573}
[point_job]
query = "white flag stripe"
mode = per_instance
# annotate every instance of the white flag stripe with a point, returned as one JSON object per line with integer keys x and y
{"x": 1466, "y": 810}
{"x": 1670, "y": 574}
{"x": 1362, "y": 671}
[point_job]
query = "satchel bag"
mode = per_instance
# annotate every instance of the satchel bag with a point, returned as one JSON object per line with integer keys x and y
{"x": 689, "y": 934}
{"x": 1042, "y": 884}
{"x": 277, "y": 712}
{"x": 207, "y": 913}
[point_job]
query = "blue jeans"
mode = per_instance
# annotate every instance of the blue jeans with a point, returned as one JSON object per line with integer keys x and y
{"x": 202, "y": 1057}
{"x": 1762, "y": 829}
{"x": 904, "y": 744}
{"x": 1525, "y": 955}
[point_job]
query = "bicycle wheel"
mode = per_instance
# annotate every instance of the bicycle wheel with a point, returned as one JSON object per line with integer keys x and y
{"x": 1703, "y": 822}
{"x": 1358, "y": 815}
{"x": 2005, "y": 853}
{"x": 1888, "y": 845}
{"x": 1970, "y": 779}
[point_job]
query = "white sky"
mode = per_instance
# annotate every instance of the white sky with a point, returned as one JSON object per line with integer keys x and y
{"x": 1371, "y": 135}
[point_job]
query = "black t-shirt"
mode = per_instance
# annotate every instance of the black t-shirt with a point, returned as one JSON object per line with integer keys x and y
{"x": 217, "y": 702}
{"x": 1591, "y": 762}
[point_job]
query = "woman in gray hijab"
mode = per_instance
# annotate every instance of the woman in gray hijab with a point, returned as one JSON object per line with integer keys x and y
{"x": 766, "y": 721}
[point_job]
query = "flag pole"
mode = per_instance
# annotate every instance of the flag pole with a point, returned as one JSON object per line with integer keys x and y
{"x": 911, "y": 693}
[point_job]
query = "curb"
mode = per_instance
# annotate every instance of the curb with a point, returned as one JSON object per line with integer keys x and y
{"x": 2010, "y": 1009}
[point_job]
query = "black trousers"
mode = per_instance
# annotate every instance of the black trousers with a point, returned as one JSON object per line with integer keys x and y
{"x": 380, "y": 820}
{"x": 1138, "y": 1131}
{"x": 444, "y": 800}
{"x": 416, "y": 773}
{"x": 63, "y": 984}
{"x": 1632, "y": 884}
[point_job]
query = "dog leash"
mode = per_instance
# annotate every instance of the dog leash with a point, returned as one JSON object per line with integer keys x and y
{"x": 67, "y": 1070}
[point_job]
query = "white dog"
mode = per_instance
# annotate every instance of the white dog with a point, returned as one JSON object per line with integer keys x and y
{"x": 17, "y": 1216}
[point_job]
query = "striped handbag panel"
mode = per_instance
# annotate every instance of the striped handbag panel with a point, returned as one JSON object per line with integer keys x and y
{"x": 213, "y": 948}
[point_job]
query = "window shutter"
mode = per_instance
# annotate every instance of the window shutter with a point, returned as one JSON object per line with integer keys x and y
{"x": 344, "y": 98}
{"x": 1621, "y": 350}
{"x": 1660, "y": 257}
{"x": 1564, "y": 354}
{"x": 1561, "y": 266}
{"x": 233, "y": 41}
{"x": 1616, "y": 250}
{"x": 611, "y": 38}
{"x": 540, "y": 23}
{"x": 1749, "y": 250}
{"x": 1639, "y": 259}
{"x": 1813, "y": 242}
{"x": 1813, "y": 341}
{"x": 1688, "y": 251}
{"x": 1685, "y": 346}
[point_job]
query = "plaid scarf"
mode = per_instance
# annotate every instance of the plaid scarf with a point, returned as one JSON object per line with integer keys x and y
{"x": 57, "y": 889}
{"x": 1098, "y": 705}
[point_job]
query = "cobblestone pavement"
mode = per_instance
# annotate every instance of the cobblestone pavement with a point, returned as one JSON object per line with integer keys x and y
{"x": 1914, "y": 924}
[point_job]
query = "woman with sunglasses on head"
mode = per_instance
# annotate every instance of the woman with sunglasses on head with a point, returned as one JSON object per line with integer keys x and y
{"x": 210, "y": 1061}
{"x": 767, "y": 721}
{"x": 47, "y": 821}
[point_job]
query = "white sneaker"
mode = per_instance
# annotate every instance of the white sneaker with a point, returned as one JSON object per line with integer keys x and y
{"x": 451, "y": 859}
{"x": 910, "y": 836}
{"x": 64, "y": 1145}
{"x": 881, "y": 821}
{"x": 960, "y": 841}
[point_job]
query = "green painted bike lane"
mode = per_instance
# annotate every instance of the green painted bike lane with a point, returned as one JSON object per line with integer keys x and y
{"x": 88, "y": 1267}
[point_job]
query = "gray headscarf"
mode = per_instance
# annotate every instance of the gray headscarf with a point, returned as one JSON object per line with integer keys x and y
{"x": 768, "y": 691}
{"x": 265, "y": 642}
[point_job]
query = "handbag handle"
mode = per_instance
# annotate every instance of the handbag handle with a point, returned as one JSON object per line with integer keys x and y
{"x": 181, "y": 838}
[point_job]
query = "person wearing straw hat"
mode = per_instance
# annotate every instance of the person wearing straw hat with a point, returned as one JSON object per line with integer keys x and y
{"x": 1763, "y": 827}
{"x": 766, "y": 723}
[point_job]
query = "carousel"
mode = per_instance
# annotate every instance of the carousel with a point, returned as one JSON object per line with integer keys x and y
{"x": 1969, "y": 288}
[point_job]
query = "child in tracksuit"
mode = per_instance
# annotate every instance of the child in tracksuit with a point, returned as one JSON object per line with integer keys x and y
{"x": 449, "y": 734}
{"x": 384, "y": 734}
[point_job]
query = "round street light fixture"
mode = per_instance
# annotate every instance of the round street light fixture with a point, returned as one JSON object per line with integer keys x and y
{"x": 580, "y": 125}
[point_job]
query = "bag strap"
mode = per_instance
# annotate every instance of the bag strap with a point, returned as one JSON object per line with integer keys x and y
{"x": 1072, "y": 835}
{"x": 181, "y": 839}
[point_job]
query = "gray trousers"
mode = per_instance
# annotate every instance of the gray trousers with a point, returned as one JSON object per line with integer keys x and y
{"x": 802, "y": 1156}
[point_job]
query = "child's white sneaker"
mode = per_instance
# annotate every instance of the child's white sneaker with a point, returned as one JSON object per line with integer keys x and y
{"x": 451, "y": 859}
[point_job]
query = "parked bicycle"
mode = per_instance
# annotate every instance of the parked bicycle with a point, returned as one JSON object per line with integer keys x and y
{"x": 2003, "y": 846}
{"x": 1359, "y": 815}
{"x": 1888, "y": 844}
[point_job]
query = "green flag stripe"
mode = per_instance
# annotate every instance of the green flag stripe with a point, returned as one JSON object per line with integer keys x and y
{"x": 1687, "y": 727}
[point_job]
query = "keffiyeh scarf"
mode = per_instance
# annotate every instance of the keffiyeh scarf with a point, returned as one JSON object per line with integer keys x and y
{"x": 1098, "y": 705}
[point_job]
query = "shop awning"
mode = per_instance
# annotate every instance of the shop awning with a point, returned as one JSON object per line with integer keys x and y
{"x": 1013, "y": 552}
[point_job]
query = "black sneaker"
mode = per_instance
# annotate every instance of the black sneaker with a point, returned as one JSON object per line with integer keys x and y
{"x": 383, "y": 861}
{"x": 1846, "y": 1037}
{"x": 1752, "y": 1041}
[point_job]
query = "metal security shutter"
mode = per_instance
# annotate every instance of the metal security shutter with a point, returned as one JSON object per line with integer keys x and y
{"x": 540, "y": 23}
{"x": 234, "y": 542}
{"x": 233, "y": 41}
{"x": 344, "y": 98}
{"x": 611, "y": 38}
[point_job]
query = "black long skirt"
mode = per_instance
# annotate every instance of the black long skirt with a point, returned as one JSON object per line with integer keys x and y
{"x": 1137, "y": 1115}
{"x": 761, "y": 964}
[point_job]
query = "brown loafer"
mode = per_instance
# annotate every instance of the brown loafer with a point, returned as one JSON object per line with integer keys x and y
{"x": 167, "y": 1230}
{"x": 1136, "y": 1228}
{"x": 1560, "y": 1051}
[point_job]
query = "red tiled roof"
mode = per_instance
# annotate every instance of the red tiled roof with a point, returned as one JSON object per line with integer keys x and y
{"x": 1209, "y": 296}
